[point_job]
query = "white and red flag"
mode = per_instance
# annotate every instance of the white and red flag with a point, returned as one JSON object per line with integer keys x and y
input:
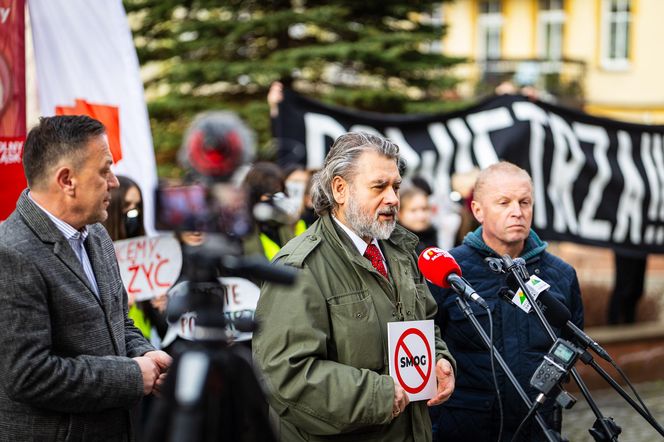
{"x": 87, "y": 64}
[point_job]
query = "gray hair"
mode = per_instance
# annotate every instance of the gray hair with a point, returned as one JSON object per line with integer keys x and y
{"x": 341, "y": 161}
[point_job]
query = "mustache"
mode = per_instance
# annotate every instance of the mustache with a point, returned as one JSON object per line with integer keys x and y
{"x": 392, "y": 210}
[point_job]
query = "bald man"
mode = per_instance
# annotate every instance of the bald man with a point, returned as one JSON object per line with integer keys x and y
{"x": 503, "y": 205}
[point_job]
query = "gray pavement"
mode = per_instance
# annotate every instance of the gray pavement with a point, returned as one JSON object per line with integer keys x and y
{"x": 580, "y": 418}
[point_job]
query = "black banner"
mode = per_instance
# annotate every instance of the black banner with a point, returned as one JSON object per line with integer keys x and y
{"x": 596, "y": 181}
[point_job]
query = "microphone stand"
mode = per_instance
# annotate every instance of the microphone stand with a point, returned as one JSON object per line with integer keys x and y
{"x": 587, "y": 359}
{"x": 604, "y": 428}
{"x": 551, "y": 435}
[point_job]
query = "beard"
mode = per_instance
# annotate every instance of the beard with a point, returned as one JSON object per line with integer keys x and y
{"x": 366, "y": 225}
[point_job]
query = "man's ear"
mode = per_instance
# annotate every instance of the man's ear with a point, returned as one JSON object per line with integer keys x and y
{"x": 339, "y": 190}
{"x": 65, "y": 180}
{"x": 478, "y": 213}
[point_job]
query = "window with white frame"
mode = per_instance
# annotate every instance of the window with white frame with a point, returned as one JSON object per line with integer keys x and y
{"x": 551, "y": 19}
{"x": 436, "y": 45}
{"x": 490, "y": 24}
{"x": 616, "y": 23}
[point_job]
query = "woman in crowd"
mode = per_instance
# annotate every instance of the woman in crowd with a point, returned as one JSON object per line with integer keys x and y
{"x": 125, "y": 220}
{"x": 415, "y": 215}
{"x": 265, "y": 183}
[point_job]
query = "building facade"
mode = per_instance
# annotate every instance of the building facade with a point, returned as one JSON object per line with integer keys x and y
{"x": 602, "y": 55}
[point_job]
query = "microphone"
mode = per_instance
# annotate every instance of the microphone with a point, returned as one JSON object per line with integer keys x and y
{"x": 441, "y": 269}
{"x": 559, "y": 316}
{"x": 216, "y": 145}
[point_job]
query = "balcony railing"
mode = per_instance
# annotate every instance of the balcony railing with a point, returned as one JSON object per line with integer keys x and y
{"x": 562, "y": 79}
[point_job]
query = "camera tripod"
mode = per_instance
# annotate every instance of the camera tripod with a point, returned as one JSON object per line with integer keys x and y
{"x": 211, "y": 392}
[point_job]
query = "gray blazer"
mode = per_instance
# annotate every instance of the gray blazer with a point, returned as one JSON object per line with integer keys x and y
{"x": 65, "y": 367}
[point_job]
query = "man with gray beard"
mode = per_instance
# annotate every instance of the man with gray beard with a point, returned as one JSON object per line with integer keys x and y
{"x": 322, "y": 343}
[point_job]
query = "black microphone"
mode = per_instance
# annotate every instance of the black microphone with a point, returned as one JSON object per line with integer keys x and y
{"x": 559, "y": 316}
{"x": 461, "y": 287}
{"x": 258, "y": 267}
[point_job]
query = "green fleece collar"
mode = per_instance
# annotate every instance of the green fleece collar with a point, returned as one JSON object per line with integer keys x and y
{"x": 534, "y": 245}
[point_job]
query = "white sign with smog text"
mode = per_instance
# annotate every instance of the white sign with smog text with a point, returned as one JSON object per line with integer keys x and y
{"x": 412, "y": 357}
{"x": 149, "y": 266}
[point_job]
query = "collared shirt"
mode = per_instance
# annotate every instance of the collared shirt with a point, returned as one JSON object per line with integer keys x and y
{"x": 360, "y": 244}
{"x": 76, "y": 240}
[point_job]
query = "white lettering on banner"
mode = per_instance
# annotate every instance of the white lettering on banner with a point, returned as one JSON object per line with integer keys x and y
{"x": 630, "y": 205}
{"x": 445, "y": 148}
{"x": 527, "y": 111}
{"x": 4, "y": 14}
{"x": 317, "y": 127}
{"x": 589, "y": 227}
{"x": 653, "y": 184}
{"x": 463, "y": 161}
{"x": 465, "y": 141}
{"x": 405, "y": 150}
{"x": 564, "y": 174}
{"x": 364, "y": 128}
{"x": 427, "y": 170}
{"x": 482, "y": 123}
{"x": 10, "y": 152}
{"x": 658, "y": 156}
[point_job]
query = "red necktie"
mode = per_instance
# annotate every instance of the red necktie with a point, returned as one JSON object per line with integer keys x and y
{"x": 373, "y": 254}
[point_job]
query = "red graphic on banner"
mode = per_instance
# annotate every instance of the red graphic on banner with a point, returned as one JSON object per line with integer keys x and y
{"x": 108, "y": 115}
{"x": 401, "y": 345}
{"x": 12, "y": 103}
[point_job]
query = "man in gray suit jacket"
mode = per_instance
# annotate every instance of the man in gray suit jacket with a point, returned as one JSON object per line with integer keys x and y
{"x": 71, "y": 363}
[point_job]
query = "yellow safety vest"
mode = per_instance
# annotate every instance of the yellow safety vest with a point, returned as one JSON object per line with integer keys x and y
{"x": 271, "y": 248}
{"x": 140, "y": 321}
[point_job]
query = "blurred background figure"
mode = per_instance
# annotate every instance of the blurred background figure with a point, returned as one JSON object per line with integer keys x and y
{"x": 462, "y": 193}
{"x": 125, "y": 220}
{"x": 630, "y": 274}
{"x": 288, "y": 151}
{"x": 275, "y": 96}
{"x": 415, "y": 215}
{"x": 298, "y": 188}
{"x": 265, "y": 183}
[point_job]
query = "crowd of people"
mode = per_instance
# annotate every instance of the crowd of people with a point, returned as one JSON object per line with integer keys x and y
{"x": 80, "y": 361}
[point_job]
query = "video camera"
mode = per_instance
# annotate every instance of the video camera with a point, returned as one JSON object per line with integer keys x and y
{"x": 211, "y": 392}
{"x": 216, "y": 150}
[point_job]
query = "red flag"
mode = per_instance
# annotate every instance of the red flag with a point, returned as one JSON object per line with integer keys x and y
{"x": 12, "y": 103}
{"x": 108, "y": 115}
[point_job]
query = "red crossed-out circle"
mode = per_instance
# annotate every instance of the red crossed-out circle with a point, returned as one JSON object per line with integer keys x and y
{"x": 425, "y": 376}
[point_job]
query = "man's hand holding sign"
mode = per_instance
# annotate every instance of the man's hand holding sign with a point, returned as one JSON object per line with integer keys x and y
{"x": 445, "y": 382}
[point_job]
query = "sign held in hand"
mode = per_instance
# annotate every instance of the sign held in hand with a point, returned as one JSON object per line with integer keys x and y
{"x": 149, "y": 266}
{"x": 412, "y": 357}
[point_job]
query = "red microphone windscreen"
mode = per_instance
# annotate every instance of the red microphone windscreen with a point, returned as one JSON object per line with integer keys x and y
{"x": 436, "y": 265}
